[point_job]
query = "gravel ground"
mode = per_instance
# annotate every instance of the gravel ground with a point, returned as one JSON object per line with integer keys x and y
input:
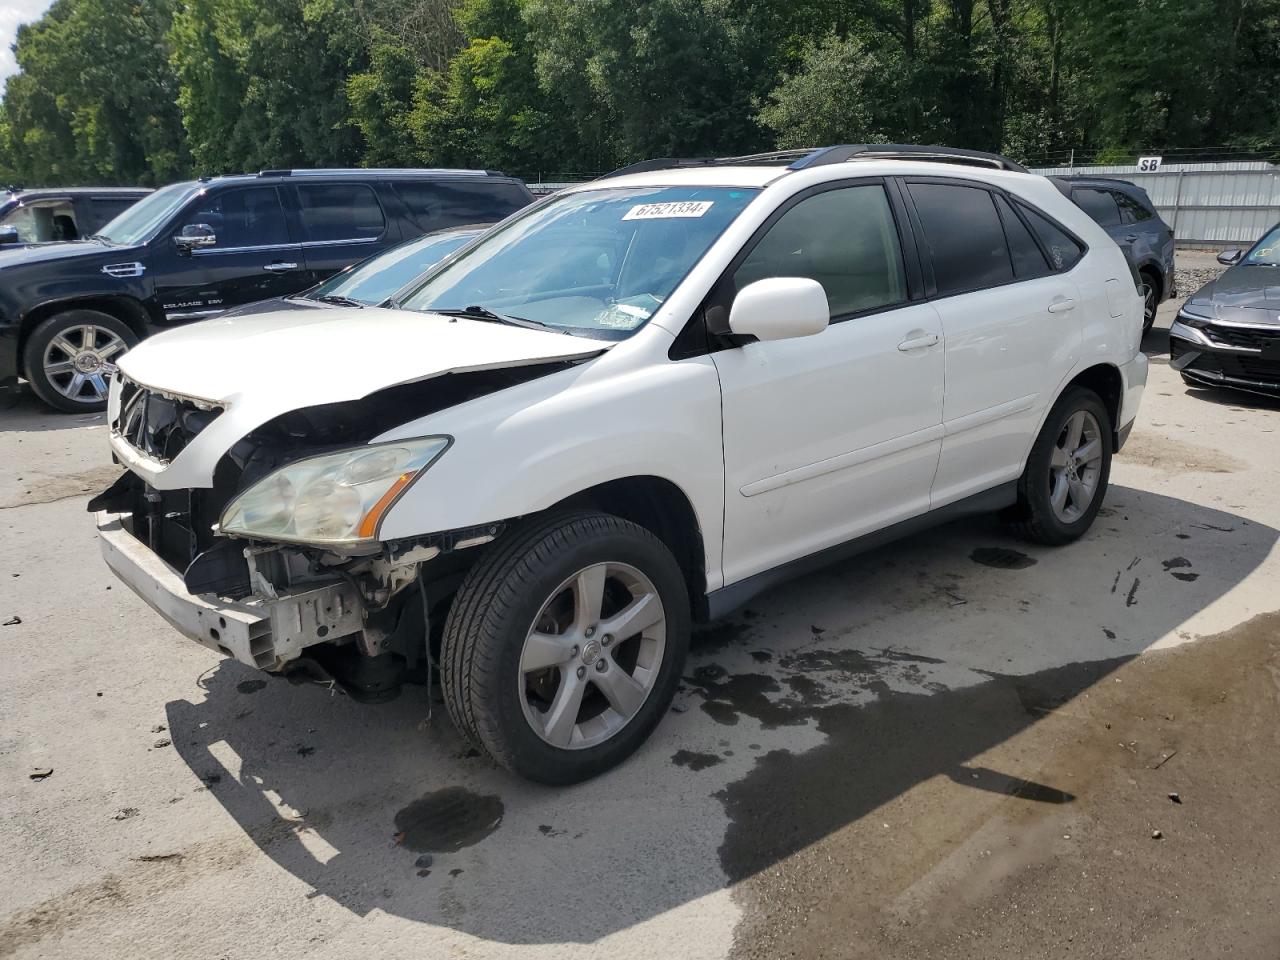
{"x": 955, "y": 746}
{"x": 1194, "y": 268}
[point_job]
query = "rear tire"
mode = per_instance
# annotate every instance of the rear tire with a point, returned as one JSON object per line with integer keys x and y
{"x": 1150, "y": 298}
{"x": 530, "y": 628}
{"x": 67, "y": 358}
{"x": 1065, "y": 479}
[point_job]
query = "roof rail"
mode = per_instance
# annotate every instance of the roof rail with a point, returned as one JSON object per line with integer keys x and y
{"x": 903, "y": 151}
{"x": 807, "y": 157}
{"x": 381, "y": 171}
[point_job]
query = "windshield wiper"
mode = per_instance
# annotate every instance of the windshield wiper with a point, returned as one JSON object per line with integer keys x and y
{"x": 101, "y": 238}
{"x": 476, "y": 312}
{"x": 338, "y": 301}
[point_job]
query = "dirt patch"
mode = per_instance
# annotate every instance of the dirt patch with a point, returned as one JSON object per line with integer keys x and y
{"x": 1016, "y": 818}
{"x": 36, "y": 487}
{"x": 1177, "y": 456}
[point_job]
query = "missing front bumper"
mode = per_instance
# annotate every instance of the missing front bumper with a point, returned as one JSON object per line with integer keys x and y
{"x": 258, "y": 632}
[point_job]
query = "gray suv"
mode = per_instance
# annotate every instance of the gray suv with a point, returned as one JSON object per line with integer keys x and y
{"x": 1126, "y": 212}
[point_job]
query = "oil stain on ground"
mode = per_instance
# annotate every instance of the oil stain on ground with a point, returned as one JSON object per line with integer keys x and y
{"x": 447, "y": 820}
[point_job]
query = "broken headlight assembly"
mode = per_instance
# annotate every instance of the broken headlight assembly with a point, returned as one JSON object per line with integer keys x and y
{"x": 333, "y": 499}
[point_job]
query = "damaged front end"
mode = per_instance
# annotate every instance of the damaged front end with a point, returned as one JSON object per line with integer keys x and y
{"x": 359, "y": 611}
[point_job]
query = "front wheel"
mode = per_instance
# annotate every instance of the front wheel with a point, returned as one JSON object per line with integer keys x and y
{"x": 564, "y": 646}
{"x": 68, "y": 358}
{"x": 1065, "y": 479}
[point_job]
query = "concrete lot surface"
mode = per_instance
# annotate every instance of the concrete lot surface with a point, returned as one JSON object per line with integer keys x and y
{"x": 956, "y": 746}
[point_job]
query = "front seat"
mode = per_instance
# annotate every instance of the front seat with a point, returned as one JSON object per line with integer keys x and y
{"x": 64, "y": 228}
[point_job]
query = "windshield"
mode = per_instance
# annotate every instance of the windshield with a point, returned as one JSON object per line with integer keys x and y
{"x": 1266, "y": 252}
{"x": 380, "y": 276}
{"x": 139, "y": 222}
{"x": 598, "y": 263}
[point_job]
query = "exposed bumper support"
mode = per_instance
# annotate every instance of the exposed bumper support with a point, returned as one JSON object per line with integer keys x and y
{"x": 260, "y": 633}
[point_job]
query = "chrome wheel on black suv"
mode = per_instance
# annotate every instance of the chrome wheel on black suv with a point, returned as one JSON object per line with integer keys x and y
{"x": 563, "y": 647}
{"x": 69, "y": 358}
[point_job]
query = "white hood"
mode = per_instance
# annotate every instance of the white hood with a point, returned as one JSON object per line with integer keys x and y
{"x": 260, "y": 366}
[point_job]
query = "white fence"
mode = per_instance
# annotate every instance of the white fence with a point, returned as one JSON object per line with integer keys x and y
{"x": 1215, "y": 204}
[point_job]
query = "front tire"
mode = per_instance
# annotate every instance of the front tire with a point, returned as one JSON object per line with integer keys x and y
{"x": 67, "y": 358}
{"x": 1065, "y": 479}
{"x": 565, "y": 644}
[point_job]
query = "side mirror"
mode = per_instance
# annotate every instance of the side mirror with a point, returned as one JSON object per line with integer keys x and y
{"x": 9, "y": 234}
{"x": 780, "y": 308}
{"x": 195, "y": 235}
{"x": 1230, "y": 256}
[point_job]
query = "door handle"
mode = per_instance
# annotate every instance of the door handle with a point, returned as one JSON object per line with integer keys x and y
{"x": 1132, "y": 238}
{"x": 915, "y": 343}
{"x": 1062, "y": 305}
{"x": 279, "y": 267}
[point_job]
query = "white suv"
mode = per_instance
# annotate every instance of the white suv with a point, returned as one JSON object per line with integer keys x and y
{"x": 628, "y": 407}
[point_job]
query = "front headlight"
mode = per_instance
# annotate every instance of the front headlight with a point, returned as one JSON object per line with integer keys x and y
{"x": 336, "y": 498}
{"x": 1196, "y": 314}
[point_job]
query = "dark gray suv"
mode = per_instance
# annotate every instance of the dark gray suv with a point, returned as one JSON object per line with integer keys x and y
{"x": 1126, "y": 212}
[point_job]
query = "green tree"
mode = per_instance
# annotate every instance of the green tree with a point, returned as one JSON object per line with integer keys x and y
{"x": 829, "y": 99}
{"x": 95, "y": 100}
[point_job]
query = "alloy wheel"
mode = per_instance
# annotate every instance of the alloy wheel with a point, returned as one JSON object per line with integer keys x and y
{"x": 593, "y": 655}
{"x": 78, "y": 361}
{"x": 1075, "y": 466}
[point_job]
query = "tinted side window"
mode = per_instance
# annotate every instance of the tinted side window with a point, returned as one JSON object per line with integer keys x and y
{"x": 340, "y": 211}
{"x": 105, "y": 209}
{"x": 964, "y": 235}
{"x": 243, "y": 217}
{"x": 1098, "y": 204}
{"x": 452, "y": 203}
{"x": 1028, "y": 259}
{"x": 845, "y": 239}
{"x": 1132, "y": 210}
{"x": 1064, "y": 252}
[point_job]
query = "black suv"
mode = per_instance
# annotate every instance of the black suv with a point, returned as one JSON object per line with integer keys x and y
{"x": 1125, "y": 211}
{"x": 61, "y": 213}
{"x": 194, "y": 250}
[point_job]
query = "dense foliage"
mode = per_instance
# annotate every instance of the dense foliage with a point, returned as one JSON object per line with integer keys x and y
{"x": 147, "y": 91}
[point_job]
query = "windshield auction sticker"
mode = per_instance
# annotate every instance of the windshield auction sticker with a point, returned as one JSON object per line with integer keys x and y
{"x": 666, "y": 211}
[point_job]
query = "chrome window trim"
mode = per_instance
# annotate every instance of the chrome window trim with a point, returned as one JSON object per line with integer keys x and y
{"x": 337, "y": 243}
{"x": 211, "y": 251}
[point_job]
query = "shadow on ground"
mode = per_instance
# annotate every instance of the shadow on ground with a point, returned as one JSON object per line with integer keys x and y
{"x": 824, "y": 701}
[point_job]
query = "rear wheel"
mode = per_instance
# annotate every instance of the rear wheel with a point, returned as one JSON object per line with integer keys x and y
{"x": 69, "y": 357}
{"x": 1065, "y": 480}
{"x": 1150, "y": 290}
{"x": 563, "y": 647}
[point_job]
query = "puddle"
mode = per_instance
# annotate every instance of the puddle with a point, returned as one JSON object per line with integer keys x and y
{"x": 447, "y": 820}
{"x": 693, "y": 760}
{"x": 1002, "y": 558}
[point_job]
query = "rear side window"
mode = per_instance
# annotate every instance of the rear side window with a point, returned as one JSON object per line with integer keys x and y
{"x": 964, "y": 235}
{"x": 243, "y": 217}
{"x": 340, "y": 211}
{"x": 1098, "y": 204}
{"x": 1132, "y": 210}
{"x": 105, "y": 209}
{"x": 845, "y": 239}
{"x": 1064, "y": 252}
{"x": 1028, "y": 259}
{"x": 453, "y": 203}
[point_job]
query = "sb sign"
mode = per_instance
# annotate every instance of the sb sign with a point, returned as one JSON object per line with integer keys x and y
{"x": 1148, "y": 164}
